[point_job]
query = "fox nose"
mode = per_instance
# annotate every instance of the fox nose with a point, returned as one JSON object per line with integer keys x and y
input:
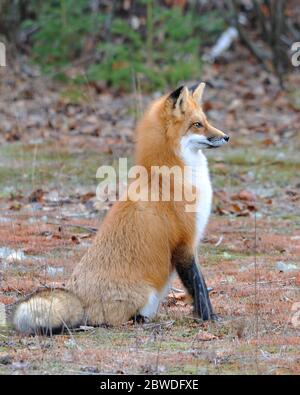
{"x": 226, "y": 138}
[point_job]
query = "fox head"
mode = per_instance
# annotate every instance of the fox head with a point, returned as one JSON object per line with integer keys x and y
{"x": 175, "y": 124}
{"x": 187, "y": 121}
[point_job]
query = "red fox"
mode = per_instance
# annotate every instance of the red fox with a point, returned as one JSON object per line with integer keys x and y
{"x": 126, "y": 272}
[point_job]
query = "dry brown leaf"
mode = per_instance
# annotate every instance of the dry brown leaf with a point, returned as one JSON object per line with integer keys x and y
{"x": 244, "y": 195}
{"x": 205, "y": 336}
{"x": 36, "y": 196}
{"x": 178, "y": 296}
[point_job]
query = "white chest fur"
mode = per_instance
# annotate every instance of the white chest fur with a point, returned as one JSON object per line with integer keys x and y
{"x": 199, "y": 174}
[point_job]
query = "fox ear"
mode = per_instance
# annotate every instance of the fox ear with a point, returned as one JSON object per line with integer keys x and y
{"x": 179, "y": 100}
{"x": 198, "y": 93}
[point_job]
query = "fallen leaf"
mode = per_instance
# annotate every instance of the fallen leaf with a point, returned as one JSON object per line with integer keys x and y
{"x": 205, "y": 336}
{"x": 75, "y": 240}
{"x": 244, "y": 195}
{"x": 36, "y": 196}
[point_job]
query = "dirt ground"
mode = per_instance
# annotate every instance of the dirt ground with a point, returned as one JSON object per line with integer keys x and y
{"x": 54, "y": 138}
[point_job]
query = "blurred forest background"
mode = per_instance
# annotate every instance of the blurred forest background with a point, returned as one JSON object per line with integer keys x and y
{"x": 155, "y": 42}
{"x": 79, "y": 74}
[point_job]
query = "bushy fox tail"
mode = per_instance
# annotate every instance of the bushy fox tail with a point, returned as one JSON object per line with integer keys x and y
{"x": 48, "y": 312}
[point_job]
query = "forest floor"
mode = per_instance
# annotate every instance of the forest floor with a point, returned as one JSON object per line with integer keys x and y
{"x": 54, "y": 138}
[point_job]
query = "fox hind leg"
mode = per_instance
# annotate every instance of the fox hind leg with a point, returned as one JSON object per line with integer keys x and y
{"x": 150, "y": 309}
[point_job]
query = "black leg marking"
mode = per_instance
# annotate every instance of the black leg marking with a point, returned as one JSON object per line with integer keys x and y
{"x": 139, "y": 319}
{"x": 194, "y": 282}
{"x": 203, "y": 307}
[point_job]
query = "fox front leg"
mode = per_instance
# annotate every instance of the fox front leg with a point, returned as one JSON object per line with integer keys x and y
{"x": 194, "y": 282}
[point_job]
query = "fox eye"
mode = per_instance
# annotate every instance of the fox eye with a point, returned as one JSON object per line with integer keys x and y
{"x": 198, "y": 125}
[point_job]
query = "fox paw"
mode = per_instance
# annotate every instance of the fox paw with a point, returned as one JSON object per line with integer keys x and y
{"x": 140, "y": 319}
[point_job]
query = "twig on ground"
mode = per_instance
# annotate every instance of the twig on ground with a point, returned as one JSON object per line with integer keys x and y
{"x": 89, "y": 229}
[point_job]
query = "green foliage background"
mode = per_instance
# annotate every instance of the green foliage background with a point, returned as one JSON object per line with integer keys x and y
{"x": 158, "y": 46}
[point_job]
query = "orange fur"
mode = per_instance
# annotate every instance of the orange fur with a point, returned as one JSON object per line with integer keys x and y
{"x": 132, "y": 252}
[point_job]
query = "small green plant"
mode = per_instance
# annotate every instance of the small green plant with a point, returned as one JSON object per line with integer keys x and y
{"x": 62, "y": 28}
